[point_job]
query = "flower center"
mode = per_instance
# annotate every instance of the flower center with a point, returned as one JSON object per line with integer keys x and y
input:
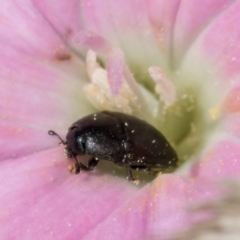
{"x": 165, "y": 99}
{"x": 173, "y": 112}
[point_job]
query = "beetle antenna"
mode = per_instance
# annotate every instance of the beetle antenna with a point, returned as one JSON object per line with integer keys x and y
{"x": 51, "y": 132}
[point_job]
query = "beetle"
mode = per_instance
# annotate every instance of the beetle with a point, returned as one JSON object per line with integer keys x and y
{"x": 121, "y": 138}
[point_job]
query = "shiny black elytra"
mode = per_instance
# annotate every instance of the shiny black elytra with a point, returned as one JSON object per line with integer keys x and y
{"x": 123, "y": 139}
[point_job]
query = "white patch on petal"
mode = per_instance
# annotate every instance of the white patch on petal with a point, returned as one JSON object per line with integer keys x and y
{"x": 99, "y": 93}
{"x": 164, "y": 87}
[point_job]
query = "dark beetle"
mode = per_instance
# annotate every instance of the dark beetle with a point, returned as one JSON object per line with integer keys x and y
{"x": 123, "y": 139}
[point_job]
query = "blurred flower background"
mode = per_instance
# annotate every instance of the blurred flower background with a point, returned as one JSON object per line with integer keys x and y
{"x": 173, "y": 63}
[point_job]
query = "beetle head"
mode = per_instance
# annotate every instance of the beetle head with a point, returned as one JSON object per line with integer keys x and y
{"x": 75, "y": 144}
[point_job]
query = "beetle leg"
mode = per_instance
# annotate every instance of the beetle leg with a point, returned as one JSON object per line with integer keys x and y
{"x": 91, "y": 164}
{"x": 77, "y": 166}
{"x": 129, "y": 173}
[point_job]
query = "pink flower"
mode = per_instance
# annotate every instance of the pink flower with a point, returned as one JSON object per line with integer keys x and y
{"x": 173, "y": 63}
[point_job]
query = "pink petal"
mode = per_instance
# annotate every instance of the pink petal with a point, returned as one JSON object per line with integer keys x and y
{"x": 217, "y": 47}
{"x": 119, "y": 16}
{"x": 220, "y": 44}
{"x": 125, "y": 24}
{"x": 231, "y": 102}
{"x": 40, "y": 198}
{"x": 162, "y": 17}
{"x": 192, "y": 20}
{"x": 40, "y": 77}
{"x": 216, "y": 51}
{"x": 62, "y": 16}
{"x": 221, "y": 158}
{"x": 152, "y": 213}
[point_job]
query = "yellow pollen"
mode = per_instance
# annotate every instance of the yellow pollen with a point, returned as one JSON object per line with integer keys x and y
{"x": 214, "y": 113}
